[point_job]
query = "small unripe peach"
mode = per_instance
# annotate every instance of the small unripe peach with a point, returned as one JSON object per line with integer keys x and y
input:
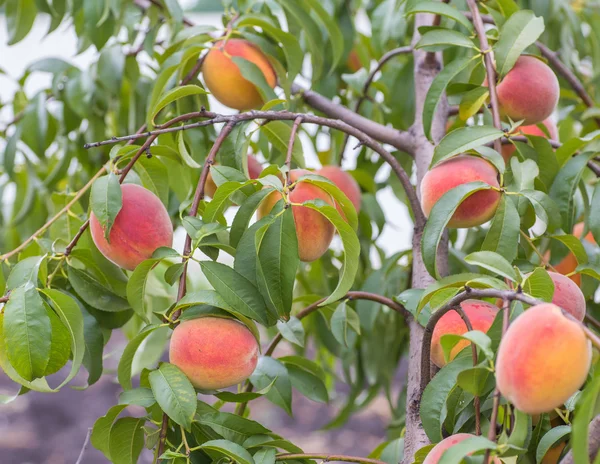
{"x": 529, "y": 91}
{"x": 438, "y": 450}
{"x": 142, "y": 225}
{"x": 345, "y": 182}
{"x": 314, "y": 230}
{"x": 509, "y": 149}
{"x": 214, "y": 352}
{"x": 481, "y": 314}
{"x": 475, "y": 209}
{"x": 225, "y": 80}
{"x": 568, "y": 296}
{"x": 543, "y": 359}
{"x": 254, "y": 170}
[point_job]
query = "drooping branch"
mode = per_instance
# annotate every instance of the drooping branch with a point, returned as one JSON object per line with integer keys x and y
{"x": 489, "y": 66}
{"x": 327, "y": 458}
{"x": 211, "y": 118}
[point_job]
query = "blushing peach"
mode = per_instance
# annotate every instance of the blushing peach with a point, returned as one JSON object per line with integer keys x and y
{"x": 225, "y": 80}
{"x": 345, "y": 182}
{"x": 569, "y": 263}
{"x": 438, "y": 450}
{"x": 142, "y": 225}
{"x": 254, "y": 170}
{"x": 481, "y": 315}
{"x": 509, "y": 149}
{"x": 477, "y": 208}
{"x": 568, "y": 296}
{"x": 543, "y": 359}
{"x": 314, "y": 230}
{"x": 214, "y": 352}
{"x": 529, "y": 92}
{"x": 353, "y": 62}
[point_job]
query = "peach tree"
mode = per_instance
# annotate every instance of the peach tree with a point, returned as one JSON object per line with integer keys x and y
{"x": 480, "y": 117}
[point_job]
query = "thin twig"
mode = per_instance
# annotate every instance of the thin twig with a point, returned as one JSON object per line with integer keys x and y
{"x": 85, "y": 445}
{"x": 4, "y": 299}
{"x": 327, "y": 458}
{"x": 290, "y": 148}
{"x": 590, "y": 320}
{"x": 162, "y": 437}
{"x": 489, "y": 67}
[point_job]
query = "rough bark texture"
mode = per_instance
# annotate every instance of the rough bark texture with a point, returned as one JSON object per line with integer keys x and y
{"x": 426, "y": 68}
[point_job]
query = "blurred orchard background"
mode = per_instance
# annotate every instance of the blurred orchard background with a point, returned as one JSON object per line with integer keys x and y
{"x": 51, "y": 428}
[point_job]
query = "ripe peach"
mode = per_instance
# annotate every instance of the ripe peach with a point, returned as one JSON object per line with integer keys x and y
{"x": 481, "y": 315}
{"x": 568, "y": 296}
{"x": 476, "y": 209}
{"x": 314, "y": 230}
{"x": 353, "y": 62}
{"x": 509, "y": 149}
{"x": 529, "y": 91}
{"x": 438, "y": 450}
{"x": 142, "y": 225}
{"x": 569, "y": 262}
{"x": 214, "y": 352}
{"x": 543, "y": 359}
{"x": 254, "y": 170}
{"x": 345, "y": 182}
{"x": 225, "y": 80}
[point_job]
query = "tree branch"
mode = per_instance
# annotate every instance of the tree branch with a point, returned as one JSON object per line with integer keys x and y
{"x": 85, "y": 445}
{"x": 290, "y": 148}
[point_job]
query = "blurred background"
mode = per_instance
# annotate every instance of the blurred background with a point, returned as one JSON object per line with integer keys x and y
{"x": 51, "y": 428}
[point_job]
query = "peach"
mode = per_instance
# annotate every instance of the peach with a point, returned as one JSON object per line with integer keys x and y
{"x": 568, "y": 296}
{"x": 569, "y": 262}
{"x": 353, "y": 62}
{"x": 481, "y": 315}
{"x": 142, "y": 225}
{"x": 314, "y": 230}
{"x": 438, "y": 450}
{"x": 529, "y": 91}
{"x": 543, "y": 359}
{"x": 225, "y": 80}
{"x": 254, "y": 170}
{"x": 214, "y": 352}
{"x": 509, "y": 149}
{"x": 477, "y": 208}
{"x": 552, "y": 456}
{"x": 345, "y": 182}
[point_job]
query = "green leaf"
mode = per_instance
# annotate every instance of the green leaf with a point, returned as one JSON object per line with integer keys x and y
{"x": 574, "y": 245}
{"x": 474, "y": 381}
{"x": 126, "y": 361}
{"x": 520, "y": 31}
{"x": 111, "y": 66}
{"x": 126, "y": 440}
{"x": 333, "y": 30}
{"x": 173, "y": 95}
{"x": 440, "y": 215}
{"x": 279, "y": 133}
{"x": 437, "y": 89}
{"x": 441, "y": 38}
{"x": 343, "y": 321}
{"x": 427, "y": 6}
{"x": 229, "y": 449}
{"x": 27, "y": 332}
{"x": 252, "y": 73}
{"x": 292, "y": 330}
{"x": 472, "y": 101}
{"x": 584, "y": 412}
{"x": 308, "y": 384}
{"x": 136, "y": 288}
{"x": 106, "y": 201}
{"x": 94, "y": 293}
{"x": 265, "y": 456}
{"x": 183, "y": 152}
{"x": 70, "y": 315}
{"x": 101, "y": 431}
{"x": 565, "y": 185}
{"x": 237, "y": 291}
{"x": 456, "y": 453}
{"x": 231, "y": 426}
{"x": 351, "y": 248}
{"x": 221, "y": 201}
{"x": 20, "y": 16}
{"x": 138, "y": 396}
{"x": 464, "y": 139}
{"x": 243, "y": 397}
{"x": 277, "y": 262}
{"x": 544, "y": 207}
{"x": 550, "y": 439}
{"x": 340, "y": 197}
{"x": 594, "y": 216}
{"x": 244, "y": 215}
{"x": 436, "y": 393}
{"x": 492, "y": 262}
{"x": 504, "y": 230}
{"x": 483, "y": 342}
{"x": 539, "y": 285}
{"x": 267, "y": 371}
{"x": 174, "y": 394}
{"x": 25, "y": 271}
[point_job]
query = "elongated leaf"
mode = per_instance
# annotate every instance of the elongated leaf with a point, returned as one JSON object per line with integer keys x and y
{"x": 437, "y": 89}
{"x": 504, "y": 230}
{"x": 136, "y": 287}
{"x": 464, "y": 139}
{"x": 456, "y": 453}
{"x": 244, "y": 215}
{"x": 333, "y": 30}
{"x": 427, "y": 6}
{"x": 139, "y": 396}
{"x": 439, "y": 216}
{"x": 174, "y": 393}
{"x": 520, "y": 31}
{"x": 441, "y": 38}
{"x": 94, "y": 293}
{"x": 594, "y": 217}
{"x": 126, "y": 361}
{"x": 106, "y": 201}
{"x": 126, "y": 440}
{"x": 292, "y": 330}
{"x": 229, "y": 449}
{"x": 492, "y": 262}
{"x": 279, "y": 133}
{"x": 340, "y": 197}
{"x": 173, "y": 95}
{"x": 483, "y": 342}
{"x": 231, "y": 426}
{"x": 20, "y": 16}
{"x": 549, "y": 440}
{"x": 343, "y": 321}
{"x": 101, "y": 431}
{"x": 539, "y": 285}
{"x": 584, "y": 412}
{"x": 269, "y": 370}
